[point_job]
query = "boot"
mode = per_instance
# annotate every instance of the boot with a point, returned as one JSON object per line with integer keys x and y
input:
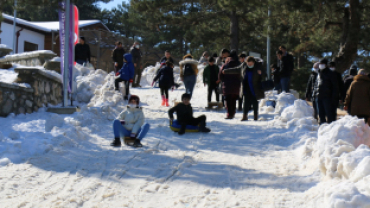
{"x": 163, "y": 100}
{"x": 116, "y": 142}
{"x": 204, "y": 129}
{"x": 166, "y": 102}
{"x": 245, "y": 117}
{"x": 256, "y": 116}
{"x": 182, "y": 130}
{"x": 137, "y": 143}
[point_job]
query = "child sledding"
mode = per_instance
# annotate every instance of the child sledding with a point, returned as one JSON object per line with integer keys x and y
{"x": 185, "y": 120}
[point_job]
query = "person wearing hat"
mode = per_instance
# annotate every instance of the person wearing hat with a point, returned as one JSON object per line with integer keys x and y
{"x": 348, "y": 79}
{"x": 311, "y": 86}
{"x": 325, "y": 92}
{"x": 358, "y": 96}
{"x": 82, "y": 52}
{"x": 130, "y": 123}
{"x": 188, "y": 73}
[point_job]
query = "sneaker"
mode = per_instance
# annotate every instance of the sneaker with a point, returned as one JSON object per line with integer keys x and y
{"x": 205, "y": 130}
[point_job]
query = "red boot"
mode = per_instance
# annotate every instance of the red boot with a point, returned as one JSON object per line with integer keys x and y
{"x": 166, "y": 102}
{"x": 163, "y": 100}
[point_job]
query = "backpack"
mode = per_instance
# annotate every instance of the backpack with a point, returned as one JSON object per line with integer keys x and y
{"x": 188, "y": 70}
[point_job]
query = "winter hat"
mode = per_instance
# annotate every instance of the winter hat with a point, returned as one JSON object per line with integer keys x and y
{"x": 134, "y": 97}
{"x": 324, "y": 61}
{"x": 332, "y": 64}
{"x": 82, "y": 38}
{"x": 316, "y": 65}
{"x": 185, "y": 95}
{"x": 353, "y": 70}
{"x": 188, "y": 56}
{"x": 363, "y": 72}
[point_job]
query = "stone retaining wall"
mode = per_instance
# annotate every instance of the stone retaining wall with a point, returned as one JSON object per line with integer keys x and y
{"x": 45, "y": 89}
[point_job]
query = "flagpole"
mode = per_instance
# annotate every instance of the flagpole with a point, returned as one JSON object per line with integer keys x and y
{"x": 14, "y": 26}
{"x": 66, "y": 51}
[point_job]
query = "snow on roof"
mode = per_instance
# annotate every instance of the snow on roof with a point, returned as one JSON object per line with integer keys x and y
{"x": 51, "y": 26}
{"x": 4, "y": 46}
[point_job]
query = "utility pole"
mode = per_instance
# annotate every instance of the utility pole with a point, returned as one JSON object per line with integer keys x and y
{"x": 268, "y": 45}
{"x": 14, "y": 26}
{"x": 66, "y": 54}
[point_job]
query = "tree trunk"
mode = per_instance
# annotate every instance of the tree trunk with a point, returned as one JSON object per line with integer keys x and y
{"x": 234, "y": 31}
{"x": 350, "y": 37}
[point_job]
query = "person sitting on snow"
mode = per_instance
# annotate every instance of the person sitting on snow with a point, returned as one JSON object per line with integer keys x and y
{"x": 185, "y": 117}
{"x": 130, "y": 123}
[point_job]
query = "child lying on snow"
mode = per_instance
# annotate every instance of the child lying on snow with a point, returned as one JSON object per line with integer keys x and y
{"x": 130, "y": 123}
{"x": 185, "y": 117}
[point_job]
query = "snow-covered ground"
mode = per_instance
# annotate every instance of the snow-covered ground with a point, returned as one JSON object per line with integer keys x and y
{"x": 283, "y": 160}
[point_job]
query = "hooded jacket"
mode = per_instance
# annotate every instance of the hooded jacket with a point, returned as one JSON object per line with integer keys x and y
{"x": 210, "y": 74}
{"x": 326, "y": 85}
{"x": 191, "y": 61}
{"x": 358, "y": 96}
{"x": 133, "y": 117}
{"x": 165, "y": 76}
{"x": 127, "y": 71}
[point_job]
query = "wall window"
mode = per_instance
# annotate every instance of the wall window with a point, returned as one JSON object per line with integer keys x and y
{"x": 30, "y": 46}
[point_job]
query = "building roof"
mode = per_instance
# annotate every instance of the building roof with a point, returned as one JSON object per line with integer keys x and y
{"x": 49, "y": 26}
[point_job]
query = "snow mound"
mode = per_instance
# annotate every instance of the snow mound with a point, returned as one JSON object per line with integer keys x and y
{"x": 14, "y": 135}
{"x": 284, "y": 100}
{"x": 4, "y": 161}
{"x": 87, "y": 84}
{"x": 299, "y": 110}
{"x": 345, "y": 195}
{"x": 53, "y": 120}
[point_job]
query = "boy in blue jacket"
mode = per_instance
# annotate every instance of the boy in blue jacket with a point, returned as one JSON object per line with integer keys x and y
{"x": 125, "y": 74}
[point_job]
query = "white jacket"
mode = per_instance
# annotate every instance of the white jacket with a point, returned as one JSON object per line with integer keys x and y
{"x": 133, "y": 117}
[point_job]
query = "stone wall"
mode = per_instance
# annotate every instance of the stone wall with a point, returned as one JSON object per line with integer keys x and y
{"x": 34, "y": 58}
{"x": 45, "y": 89}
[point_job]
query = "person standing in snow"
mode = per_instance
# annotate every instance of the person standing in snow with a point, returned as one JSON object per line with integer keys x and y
{"x": 125, "y": 74}
{"x": 341, "y": 94}
{"x": 230, "y": 84}
{"x": 358, "y": 96}
{"x": 223, "y": 55}
{"x": 210, "y": 78}
{"x": 117, "y": 56}
{"x": 185, "y": 117}
{"x": 166, "y": 81}
{"x": 250, "y": 73}
{"x": 286, "y": 68}
{"x": 167, "y": 57}
{"x": 188, "y": 73}
{"x": 325, "y": 92}
{"x": 348, "y": 79}
{"x": 130, "y": 123}
{"x": 136, "y": 59}
{"x": 276, "y": 77}
{"x": 82, "y": 52}
{"x": 204, "y": 59}
{"x": 310, "y": 88}
{"x": 242, "y": 58}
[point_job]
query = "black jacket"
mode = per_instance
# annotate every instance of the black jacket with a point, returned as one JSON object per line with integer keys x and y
{"x": 326, "y": 85}
{"x": 311, "y": 85}
{"x": 276, "y": 76}
{"x": 165, "y": 76}
{"x": 164, "y": 60}
{"x": 347, "y": 82}
{"x": 117, "y": 56}
{"x": 342, "y": 92}
{"x": 286, "y": 66}
{"x": 82, "y": 52}
{"x": 184, "y": 113}
{"x": 136, "y": 55}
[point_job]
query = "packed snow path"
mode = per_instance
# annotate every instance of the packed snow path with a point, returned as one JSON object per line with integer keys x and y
{"x": 238, "y": 164}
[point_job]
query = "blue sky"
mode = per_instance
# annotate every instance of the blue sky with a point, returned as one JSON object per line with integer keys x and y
{"x": 111, "y": 4}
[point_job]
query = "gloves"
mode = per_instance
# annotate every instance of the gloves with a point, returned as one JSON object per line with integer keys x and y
{"x": 131, "y": 80}
{"x": 133, "y": 135}
{"x": 117, "y": 73}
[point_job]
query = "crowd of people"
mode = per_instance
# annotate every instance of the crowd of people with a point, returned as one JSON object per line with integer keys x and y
{"x": 238, "y": 79}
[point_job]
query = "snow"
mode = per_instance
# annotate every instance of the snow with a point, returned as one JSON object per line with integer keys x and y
{"x": 8, "y": 75}
{"x": 56, "y": 59}
{"x": 283, "y": 160}
{"x": 28, "y": 54}
{"x": 4, "y": 46}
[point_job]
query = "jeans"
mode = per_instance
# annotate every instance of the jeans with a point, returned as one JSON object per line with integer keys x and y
{"x": 189, "y": 82}
{"x": 285, "y": 82}
{"x": 277, "y": 86}
{"x": 325, "y": 109}
{"x": 120, "y": 131}
{"x": 248, "y": 101}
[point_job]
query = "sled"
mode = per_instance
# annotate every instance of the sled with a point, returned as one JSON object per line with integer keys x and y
{"x": 128, "y": 141}
{"x": 175, "y": 126}
{"x": 211, "y": 105}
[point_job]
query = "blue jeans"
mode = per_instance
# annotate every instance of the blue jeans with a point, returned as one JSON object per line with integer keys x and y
{"x": 120, "y": 131}
{"x": 285, "y": 82}
{"x": 277, "y": 87}
{"x": 189, "y": 82}
{"x": 325, "y": 109}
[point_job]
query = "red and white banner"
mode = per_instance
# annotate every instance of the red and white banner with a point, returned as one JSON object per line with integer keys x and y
{"x": 76, "y": 17}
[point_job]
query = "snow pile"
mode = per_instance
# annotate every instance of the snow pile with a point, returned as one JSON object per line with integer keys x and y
{"x": 8, "y": 75}
{"x": 284, "y": 100}
{"x": 345, "y": 195}
{"x": 299, "y": 110}
{"x": 31, "y": 54}
{"x": 87, "y": 82}
{"x": 53, "y": 120}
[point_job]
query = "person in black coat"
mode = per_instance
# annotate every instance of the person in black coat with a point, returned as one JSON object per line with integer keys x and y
{"x": 136, "y": 58}
{"x": 166, "y": 81}
{"x": 117, "y": 56}
{"x": 276, "y": 77}
{"x": 285, "y": 70}
{"x": 325, "y": 92}
{"x": 82, "y": 52}
{"x": 167, "y": 57}
{"x": 185, "y": 117}
{"x": 341, "y": 93}
{"x": 310, "y": 88}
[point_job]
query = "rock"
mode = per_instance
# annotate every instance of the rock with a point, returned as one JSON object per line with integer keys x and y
{"x": 35, "y": 108}
{"x": 41, "y": 87}
{"x": 47, "y": 87}
{"x": 12, "y": 96}
{"x": 15, "y": 105}
{"x": 29, "y": 103}
{"x": 14, "y": 135}
{"x": 21, "y": 110}
{"x": 24, "y": 97}
{"x": 7, "y": 108}
{"x": 29, "y": 110}
{"x": 35, "y": 87}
